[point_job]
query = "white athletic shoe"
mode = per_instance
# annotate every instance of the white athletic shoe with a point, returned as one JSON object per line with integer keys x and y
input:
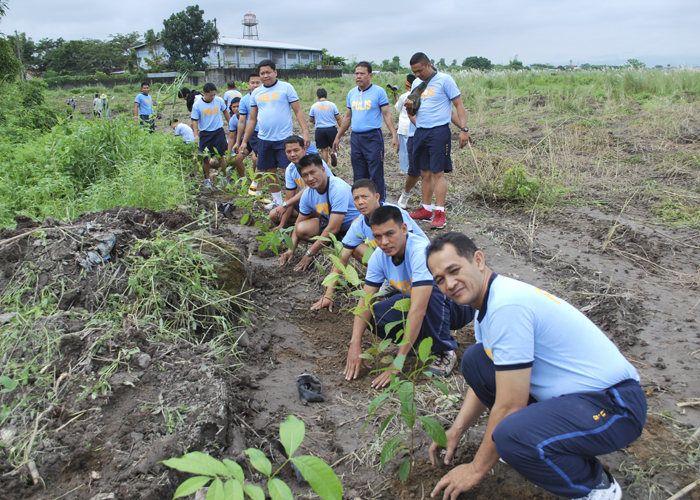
{"x": 272, "y": 205}
{"x": 386, "y": 289}
{"x": 612, "y": 492}
{"x": 403, "y": 200}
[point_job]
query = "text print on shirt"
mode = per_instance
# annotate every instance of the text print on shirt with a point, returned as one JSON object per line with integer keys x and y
{"x": 323, "y": 107}
{"x": 210, "y": 111}
{"x": 403, "y": 286}
{"x": 273, "y": 96}
{"x": 429, "y": 92}
{"x": 361, "y": 105}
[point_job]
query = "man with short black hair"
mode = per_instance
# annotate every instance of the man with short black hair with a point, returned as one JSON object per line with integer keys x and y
{"x": 190, "y": 96}
{"x": 359, "y": 238}
{"x": 325, "y": 207}
{"x": 231, "y": 93}
{"x": 182, "y": 130}
{"x": 272, "y": 105}
{"x": 252, "y": 147}
{"x": 431, "y": 100}
{"x": 367, "y": 105}
{"x": 143, "y": 108}
{"x": 288, "y": 211}
{"x": 560, "y": 393}
{"x": 324, "y": 114}
{"x": 209, "y": 129}
{"x": 400, "y": 259}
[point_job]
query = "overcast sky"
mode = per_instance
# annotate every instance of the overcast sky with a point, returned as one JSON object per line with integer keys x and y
{"x": 538, "y": 31}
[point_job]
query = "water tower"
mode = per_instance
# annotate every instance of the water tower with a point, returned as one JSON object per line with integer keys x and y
{"x": 250, "y": 27}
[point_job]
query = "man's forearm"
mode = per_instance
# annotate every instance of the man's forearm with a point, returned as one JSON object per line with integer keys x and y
{"x": 241, "y": 128}
{"x": 344, "y": 126}
{"x": 359, "y": 324}
{"x": 195, "y": 128}
{"x": 389, "y": 121}
{"x": 487, "y": 455}
{"x": 461, "y": 113}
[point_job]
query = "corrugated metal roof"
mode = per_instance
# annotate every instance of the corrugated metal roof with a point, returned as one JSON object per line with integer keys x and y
{"x": 245, "y": 42}
{"x": 264, "y": 44}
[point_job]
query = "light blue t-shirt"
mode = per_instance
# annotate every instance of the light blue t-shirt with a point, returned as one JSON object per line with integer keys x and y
{"x": 274, "y": 110}
{"x": 361, "y": 230}
{"x": 294, "y": 180}
{"x": 324, "y": 113}
{"x": 436, "y": 101}
{"x": 145, "y": 104}
{"x": 366, "y": 107}
{"x": 523, "y": 326}
{"x": 229, "y": 95}
{"x": 411, "y": 271}
{"x": 233, "y": 123}
{"x": 185, "y": 132}
{"x": 208, "y": 114}
{"x": 244, "y": 109}
{"x": 336, "y": 200}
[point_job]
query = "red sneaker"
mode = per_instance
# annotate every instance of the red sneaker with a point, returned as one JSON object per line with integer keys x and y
{"x": 422, "y": 214}
{"x": 439, "y": 220}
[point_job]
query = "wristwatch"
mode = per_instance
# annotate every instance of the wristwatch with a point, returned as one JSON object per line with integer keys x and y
{"x": 284, "y": 204}
{"x": 309, "y": 254}
{"x": 465, "y": 129}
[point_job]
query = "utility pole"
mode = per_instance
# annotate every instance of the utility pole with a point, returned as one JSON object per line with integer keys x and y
{"x": 218, "y": 47}
{"x": 19, "y": 56}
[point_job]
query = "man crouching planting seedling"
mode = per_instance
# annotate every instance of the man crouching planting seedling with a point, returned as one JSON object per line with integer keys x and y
{"x": 228, "y": 480}
{"x": 400, "y": 259}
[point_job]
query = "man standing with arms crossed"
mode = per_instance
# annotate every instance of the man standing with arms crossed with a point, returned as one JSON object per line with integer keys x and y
{"x": 367, "y": 105}
{"x": 431, "y": 100}
{"x": 143, "y": 108}
{"x": 272, "y": 105}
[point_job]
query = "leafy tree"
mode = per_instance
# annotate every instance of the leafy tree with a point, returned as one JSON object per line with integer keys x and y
{"x": 42, "y": 48}
{"x": 9, "y": 64}
{"x": 541, "y": 66}
{"x": 329, "y": 60}
{"x": 441, "y": 63}
{"x": 187, "y": 37}
{"x": 26, "y": 48}
{"x": 476, "y": 62}
{"x": 3, "y": 7}
{"x": 636, "y": 63}
{"x": 156, "y": 62}
{"x": 515, "y": 64}
{"x": 454, "y": 63}
{"x": 393, "y": 65}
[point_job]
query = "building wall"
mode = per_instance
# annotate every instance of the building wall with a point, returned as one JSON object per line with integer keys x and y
{"x": 245, "y": 57}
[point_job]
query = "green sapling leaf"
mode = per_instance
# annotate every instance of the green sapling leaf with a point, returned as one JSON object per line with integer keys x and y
{"x": 292, "y": 433}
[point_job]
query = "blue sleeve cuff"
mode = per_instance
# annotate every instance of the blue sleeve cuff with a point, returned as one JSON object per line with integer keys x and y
{"x": 518, "y": 366}
{"x": 341, "y": 213}
{"x": 349, "y": 246}
{"x": 421, "y": 283}
{"x": 372, "y": 283}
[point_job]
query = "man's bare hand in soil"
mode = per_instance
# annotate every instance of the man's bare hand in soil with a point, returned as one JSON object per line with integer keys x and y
{"x": 453, "y": 437}
{"x": 285, "y": 257}
{"x": 304, "y": 263}
{"x": 323, "y": 302}
{"x": 457, "y": 481}
{"x": 384, "y": 379}
{"x": 355, "y": 362}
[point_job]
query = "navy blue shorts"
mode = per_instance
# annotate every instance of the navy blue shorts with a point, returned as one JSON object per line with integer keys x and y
{"x": 214, "y": 142}
{"x": 441, "y": 316}
{"x": 325, "y": 137}
{"x": 148, "y": 121}
{"x": 432, "y": 148}
{"x": 367, "y": 158}
{"x": 253, "y": 143}
{"x": 412, "y": 169}
{"x": 271, "y": 155}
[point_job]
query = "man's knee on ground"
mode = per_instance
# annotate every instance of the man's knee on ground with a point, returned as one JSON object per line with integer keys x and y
{"x": 308, "y": 229}
{"x": 276, "y": 214}
{"x": 359, "y": 252}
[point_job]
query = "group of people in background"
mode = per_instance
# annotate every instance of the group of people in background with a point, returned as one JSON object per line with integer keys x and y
{"x": 559, "y": 391}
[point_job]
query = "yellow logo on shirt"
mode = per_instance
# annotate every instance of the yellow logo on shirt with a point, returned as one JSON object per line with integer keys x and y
{"x": 548, "y": 295}
{"x": 429, "y": 92}
{"x": 488, "y": 353}
{"x": 403, "y": 286}
{"x": 300, "y": 183}
{"x": 361, "y": 105}
{"x": 269, "y": 97}
{"x": 211, "y": 111}
{"x": 323, "y": 107}
{"x": 322, "y": 208}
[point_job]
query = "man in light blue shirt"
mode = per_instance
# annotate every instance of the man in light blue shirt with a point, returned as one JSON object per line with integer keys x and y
{"x": 400, "y": 259}
{"x": 325, "y": 208}
{"x": 231, "y": 93}
{"x": 324, "y": 114}
{"x": 271, "y": 106}
{"x": 209, "y": 129}
{"x": 143, "y": 108}
{"x": 432, "y": 142}
{"x": 252, "y": 147}
{"x": 288, "y": 212}
{"x": 360, "y": 239}
{"x": 183, "y": 130}
{"x": 367, "y": 105}
{"x": 232, "y": 132}
{"x": 560, "y": 392}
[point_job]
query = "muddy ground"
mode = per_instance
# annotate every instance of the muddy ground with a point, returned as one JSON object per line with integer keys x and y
{"x": 639, "y": 283}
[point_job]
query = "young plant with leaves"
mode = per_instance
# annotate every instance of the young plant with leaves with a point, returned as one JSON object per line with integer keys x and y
{"x": 228, "y": 480}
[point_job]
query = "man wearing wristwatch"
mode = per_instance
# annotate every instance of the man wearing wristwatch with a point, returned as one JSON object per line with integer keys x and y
{"x": 287, "y": 213}
{"x": 432, "y": 141}
{"x": 326, "y": 207}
